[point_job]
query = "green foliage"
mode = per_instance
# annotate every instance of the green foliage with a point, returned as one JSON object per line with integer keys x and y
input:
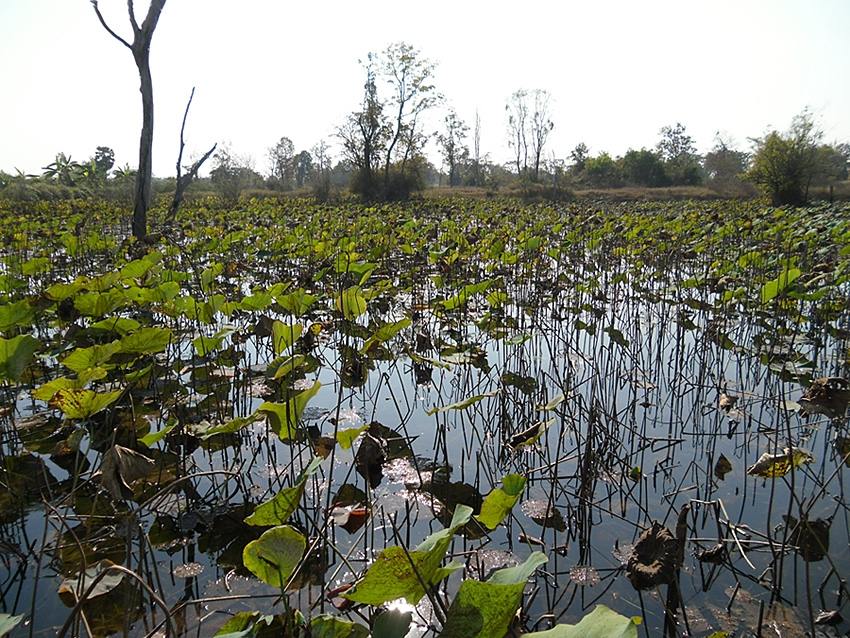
{"x": 602, "y": 622}
{"x": 499, "y": 503}
{"x": 784, "y": 165}
{"x": 644, "y": 168}
{"x": 273, "y": 557}
{"x": 485, "y": 609}
{"x": 15, "y": 355}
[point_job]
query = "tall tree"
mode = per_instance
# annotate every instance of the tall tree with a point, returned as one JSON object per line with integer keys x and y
{"x": 364, "y": 134}
{"x": 541, "y": 126}
{"x": 140, "y": 48}
{"x": 453, "y": 149}
{"x": 677, "y": 149}
{"x": 409, "y": 77}
{"x": 281, "y": 161}
{"x": 476, "y": 150}
{"x": 517, "y": 110}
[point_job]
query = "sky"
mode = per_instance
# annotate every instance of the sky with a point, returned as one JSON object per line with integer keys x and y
{"x": 617, "y": 70}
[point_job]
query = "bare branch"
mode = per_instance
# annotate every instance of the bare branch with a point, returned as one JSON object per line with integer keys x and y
{"x": 132, "y": 13}
{"x": 106, "y": 26}
{"x": 152, "y": 18}
{"x": 183, "y": 181}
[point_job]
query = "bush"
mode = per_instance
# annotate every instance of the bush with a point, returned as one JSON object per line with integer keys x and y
{"x": 784, "y": 165}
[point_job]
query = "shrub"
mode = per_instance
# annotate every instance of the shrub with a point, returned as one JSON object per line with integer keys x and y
{"x": 784, "y": 165}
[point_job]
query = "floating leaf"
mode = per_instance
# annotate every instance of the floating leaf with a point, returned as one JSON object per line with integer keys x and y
{"x": 722, "y": 467}
{"x": 188, "y": 570}
{"x": 8, "y": 623}
{"x": 120, "y": 467}
{"x": 460, "y": 405}
{"x": 602, "y": 622}
{"x": 778, "y": 465}
{"x": 273, "y": 557}
{"x": 15, "y": 355}
{"x": 499, "y": 503}
{"x": 529, "y": 436}
{"x": 584, "y": 576}
{"x": 79, "y": 584}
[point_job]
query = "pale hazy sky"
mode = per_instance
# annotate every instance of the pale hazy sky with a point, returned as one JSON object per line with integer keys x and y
{"x": 618, "y": 70}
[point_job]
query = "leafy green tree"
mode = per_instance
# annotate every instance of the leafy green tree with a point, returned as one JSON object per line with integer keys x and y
{"x": 282, "y": 162}
{"x": 452, "y": 147}
{"x": 602, "y": 171}
{"x": 723, "y": 164}
{"x": 785, "y": 164}
{"x": 677, "y": 149}
{"x": 232, "y": 174}
{"x": 364, "y": 135}
{"x": 104, "y": 160}
{"x": 644, "y": 168}
{"x": 579, "y": 156}
{"x": 409, "y": 77}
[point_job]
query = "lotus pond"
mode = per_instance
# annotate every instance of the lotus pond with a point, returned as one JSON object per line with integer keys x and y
{"x": 442, "y": 418}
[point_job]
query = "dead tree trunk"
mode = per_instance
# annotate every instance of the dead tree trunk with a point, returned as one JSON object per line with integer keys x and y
{"x": 183, "y": 181}
{"x": 140, "y": 48}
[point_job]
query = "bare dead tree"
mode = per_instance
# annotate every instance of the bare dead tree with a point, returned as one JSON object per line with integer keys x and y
{"x": 140, "y": 48}
{"x": 183, "y": 181}
{"x": 517, "y": 110}
{"x": 541, "y": 126}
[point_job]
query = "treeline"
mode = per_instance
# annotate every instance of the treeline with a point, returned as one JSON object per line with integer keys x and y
{"x": 381, "y": 154}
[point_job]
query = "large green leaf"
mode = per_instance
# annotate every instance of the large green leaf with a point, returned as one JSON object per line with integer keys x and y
{"x": 98, "y": 304}
{"x": 296, "y": 302}
{"x": 602, "y": 622}
{"x": 485, "y": 609}
{"x": 15, "y": 355}
{"x": 146, "y": 341}
{"x": 278, "y": 510}
{"x": 96, "y": 356}
{"x": 284, "y": 417}
{"x": 284, "y": 335}
{"x": 81, "y": 404}
{"x": 204, "y": 345}
{"x": 351, "y": 303}
{"x": 327, "y": 626}
{"x": 14, "y": 315}
{"x": 499, "y": 503}
{"x": 273, "y": 557}
{"x": 400, "y": 574}
{"x": 775, "y": 287}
